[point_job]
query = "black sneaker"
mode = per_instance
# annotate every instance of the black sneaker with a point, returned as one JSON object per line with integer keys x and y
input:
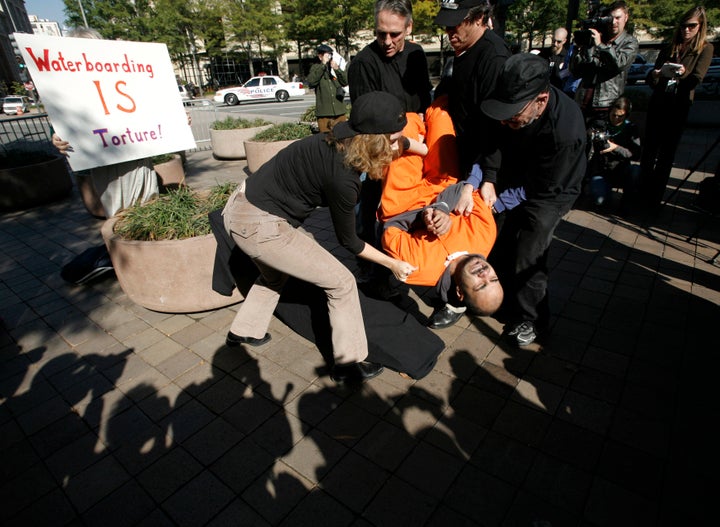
{"x": 524, "y": 333}
{"x": 89, "y": 264}
{"x": 356, "y": 372}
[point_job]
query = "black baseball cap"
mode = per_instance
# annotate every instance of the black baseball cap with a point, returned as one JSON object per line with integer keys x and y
{"x": 453, "y": 12}
{"x": 375, "y": 112}
{"x": 522, "y": 78}
{"x": 323, "y": 48}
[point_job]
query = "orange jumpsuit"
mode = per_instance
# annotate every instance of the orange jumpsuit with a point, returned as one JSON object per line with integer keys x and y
{"x": 414, "y": 182}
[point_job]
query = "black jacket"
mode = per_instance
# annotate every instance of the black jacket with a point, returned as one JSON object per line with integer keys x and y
{"x": 405, "y": 75}
{"x": 474, "y": 75}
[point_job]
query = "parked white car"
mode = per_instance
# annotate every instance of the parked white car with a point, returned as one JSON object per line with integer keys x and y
{"x": 259, "y": 88}
{"x": 15, "y": 104}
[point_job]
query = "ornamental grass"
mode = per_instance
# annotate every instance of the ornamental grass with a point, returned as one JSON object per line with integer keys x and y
{"x": 179, "y": 214}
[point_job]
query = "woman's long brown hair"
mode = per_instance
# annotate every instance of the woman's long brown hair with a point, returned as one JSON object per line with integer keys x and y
{"x": 698, "y": 41}
{"x": 371, "y": 153}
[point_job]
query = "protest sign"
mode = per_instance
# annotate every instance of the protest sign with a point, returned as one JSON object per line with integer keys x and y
{"x": 113, "y": 101}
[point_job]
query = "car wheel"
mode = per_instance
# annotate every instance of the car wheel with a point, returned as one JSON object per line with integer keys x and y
{"x": 231, "y": 99}
{"x": 282, "y": 96}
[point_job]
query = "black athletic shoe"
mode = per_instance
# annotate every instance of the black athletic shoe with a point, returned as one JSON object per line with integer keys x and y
{"x": 523, "y": 333}
{"x": 89, "y": 264}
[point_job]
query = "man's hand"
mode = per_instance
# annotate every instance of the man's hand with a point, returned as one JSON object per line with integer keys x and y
{"x": 465, "y": 202}
{"x": 596, "y": 36}
{"x": 436, "y": 221}
{"x": 487, "y": 193}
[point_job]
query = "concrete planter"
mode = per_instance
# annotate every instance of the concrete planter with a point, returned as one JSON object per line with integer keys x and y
{"x": 171, "y": 173}
{"x": 34, "y": 184}
{"x": 230, "y": 144}
{"x": 169, "y": 276}
{"x": 259, "y": 152}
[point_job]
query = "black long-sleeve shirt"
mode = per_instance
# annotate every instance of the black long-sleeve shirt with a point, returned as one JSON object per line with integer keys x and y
{"x": 405, "y": 75}
{"x": 474, "y": 76}
{"x": 307, "y": 174}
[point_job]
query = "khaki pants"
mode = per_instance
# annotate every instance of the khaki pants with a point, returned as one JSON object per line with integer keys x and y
{"x": 325, "y": 124}
{"x": 280, "y": 250}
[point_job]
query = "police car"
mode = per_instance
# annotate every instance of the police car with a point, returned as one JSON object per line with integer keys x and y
{"x": 262, "y": 87}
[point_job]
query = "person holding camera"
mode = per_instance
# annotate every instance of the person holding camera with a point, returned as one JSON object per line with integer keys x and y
{"x": 679, "y": 68}
{"x": 605, "y": 52}
{"x": 328, "y": 80}
{"x": 615, "y": 145}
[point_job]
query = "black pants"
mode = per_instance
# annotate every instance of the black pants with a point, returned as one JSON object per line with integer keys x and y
{"x": 520, "y": 258}
{"x": 665, "y": 124}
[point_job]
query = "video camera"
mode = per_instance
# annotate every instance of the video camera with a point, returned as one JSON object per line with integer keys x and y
{"x": 597, "y": 18}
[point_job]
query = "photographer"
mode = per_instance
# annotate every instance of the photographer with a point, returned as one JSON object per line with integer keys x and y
{"x": 679, "y": 68}
{"x": 604, "y": 56}
{"x": 328, "y": 80}
{"x": 615, "y": 144}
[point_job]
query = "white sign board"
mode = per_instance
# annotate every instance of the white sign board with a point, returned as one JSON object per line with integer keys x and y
{"x": 112, "y": 100}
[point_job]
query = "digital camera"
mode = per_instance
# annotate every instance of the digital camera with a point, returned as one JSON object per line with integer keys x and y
{"x": 599, "y": 139}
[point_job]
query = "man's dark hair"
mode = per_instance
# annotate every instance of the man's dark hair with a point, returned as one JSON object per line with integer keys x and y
{"x": 481, "y": 12}
{"x": 402, "y": 8}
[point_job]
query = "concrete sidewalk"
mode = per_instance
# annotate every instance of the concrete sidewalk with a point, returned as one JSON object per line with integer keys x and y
{"x": 111, "y": 414}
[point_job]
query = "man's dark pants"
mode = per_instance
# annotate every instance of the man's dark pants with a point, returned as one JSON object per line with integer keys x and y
{"x": 520, "y": 258}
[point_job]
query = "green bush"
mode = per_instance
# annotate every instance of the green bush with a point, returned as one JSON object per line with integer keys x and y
{"x": 283, "y": 132}
{"x": 231, "y": 123}
{"x": 179, "y": 214}
{"x": 162, "y": 158}
{"x": 309, "y": 115}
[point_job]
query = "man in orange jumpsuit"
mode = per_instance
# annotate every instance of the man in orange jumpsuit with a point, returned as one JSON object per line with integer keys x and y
{"x": 449, "y": 250}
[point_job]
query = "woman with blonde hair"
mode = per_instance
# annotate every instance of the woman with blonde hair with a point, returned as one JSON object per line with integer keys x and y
{"x": 265, "y": 215}
{"x": 679, "y": 68}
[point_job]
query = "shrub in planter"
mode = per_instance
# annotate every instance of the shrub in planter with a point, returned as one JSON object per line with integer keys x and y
{"x": 31, "y": 173}
{"x": 310, "y": 116}
{"x": 227, "y": 136}
{"x": 265, "y": 144}
{"x": 163, "y": 251}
